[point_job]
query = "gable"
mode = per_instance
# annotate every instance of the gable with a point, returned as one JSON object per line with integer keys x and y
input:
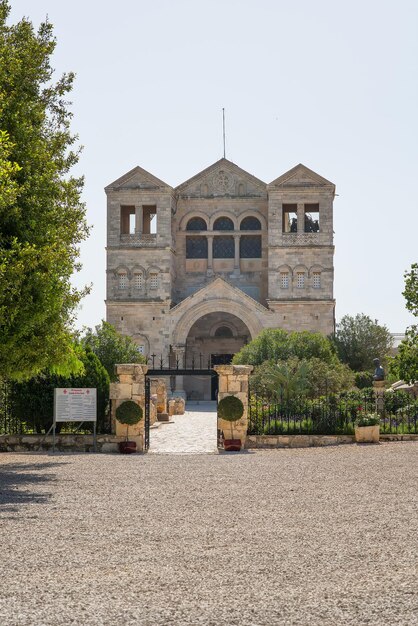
{"x": 301, "y": 177}
{"x": 137, "y": 178}
{"x": 223, "y": 178}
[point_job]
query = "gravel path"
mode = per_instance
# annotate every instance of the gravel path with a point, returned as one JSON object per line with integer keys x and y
{"x": 191, "y": 433}
{"x": 311, "y": 536}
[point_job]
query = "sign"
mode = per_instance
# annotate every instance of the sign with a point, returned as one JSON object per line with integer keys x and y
{"x": 75, "y": 405}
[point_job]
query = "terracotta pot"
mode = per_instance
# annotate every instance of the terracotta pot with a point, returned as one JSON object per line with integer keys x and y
{"x": 232, "y": 445}
{"x": 127, "y": 447}
{"x": 367, "y": 434}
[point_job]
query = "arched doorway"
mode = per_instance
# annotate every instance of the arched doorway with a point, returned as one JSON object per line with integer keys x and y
{"x": 214, "y": 339}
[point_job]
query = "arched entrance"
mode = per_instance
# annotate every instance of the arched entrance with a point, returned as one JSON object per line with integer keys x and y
{"x": 214, "y": 339}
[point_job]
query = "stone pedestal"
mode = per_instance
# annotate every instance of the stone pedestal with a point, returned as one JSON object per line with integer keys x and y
{"x": 233, "y": 381}
{"x": 131, "y": 386}
{"x": 379, "y": 387}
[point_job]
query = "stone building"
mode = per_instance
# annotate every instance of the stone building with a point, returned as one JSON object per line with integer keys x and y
{"x": 202, "y": 268}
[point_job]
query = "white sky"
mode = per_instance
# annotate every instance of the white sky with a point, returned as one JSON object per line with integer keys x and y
{"x": 329, "y": 84}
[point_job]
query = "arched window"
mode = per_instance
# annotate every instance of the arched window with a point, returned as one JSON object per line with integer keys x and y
{"x": 250, "y": 223}
{"x": 224, "y": 331}
{"x": 138, "y": 282}
{"x": 223, "y": 248}
{"x": 122, "y": 280}
{"x": 153, "y": 280}
{"x": 250, "y": 247}
{"x": 223, "y": 223}
{"x": 196, "y": 248}
{"x": 196, "y": 223}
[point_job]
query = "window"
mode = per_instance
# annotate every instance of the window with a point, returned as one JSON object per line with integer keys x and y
{"x": 141, "y": 349}
{"x": 149, "y": 220}
{"x": 300, "y": 280}
{"x": 223, "y": 248}
{"x": 127, "y": 220}
{"x": 122, "y": 280}
{"x": 153, "y": 280}
{"x": 196, "y": 248}
{"x": 316, "y": 280}
{"x": 290, "y": 218}
{"x": 196, "y": 223}
{"x": 284, "y": 280}
{"x": 223, "y": 223}
{"x": 138, "y": 280}
{"x": 311, "y": 218}
{"x": 250, "y": 247}
{"x": 250, "y": 223}
{"x": 224, "y": 331}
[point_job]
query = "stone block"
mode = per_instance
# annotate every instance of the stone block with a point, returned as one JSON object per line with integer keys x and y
{"x": 125, "y": 378}
{"x": 109, "y": 447}
{"x": 118, "y": 391}
{"x": 234, "y": 386}
{"x": 125, "y": 368}
{"x": 138, "y": 389}
{"x": 223, "y": 384}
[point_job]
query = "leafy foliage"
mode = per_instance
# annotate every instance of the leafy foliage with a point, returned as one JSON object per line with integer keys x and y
{"x": 129, "y": 412}
{"x": 405, "y": 364}
{"x": 363, "y": 379}
{"x": 359, "y": 340}
{"x": 230, "y": 409}
{"x": 42, "y": 218}
{"x": 276, "y": 344}
{"x": 111, "y": 347}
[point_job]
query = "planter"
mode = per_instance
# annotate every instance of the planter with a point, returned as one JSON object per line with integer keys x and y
{"x": 127, "y": 447}
{"x": 232, "y": 445}
{"x": 367, "y": 434}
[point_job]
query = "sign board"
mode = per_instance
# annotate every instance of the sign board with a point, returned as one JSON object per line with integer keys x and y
{"x": 75, "y": 405}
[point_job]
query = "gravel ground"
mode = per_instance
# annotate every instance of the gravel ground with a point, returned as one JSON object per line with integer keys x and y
{"x": 310, "y": 536}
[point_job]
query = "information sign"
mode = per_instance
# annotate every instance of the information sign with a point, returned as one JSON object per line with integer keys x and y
{"x": 75, "y": 405}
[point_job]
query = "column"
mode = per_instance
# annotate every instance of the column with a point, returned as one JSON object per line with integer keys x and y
{"x": 301, "y": 217}
{"x": 210, "y": 255}
{"x": 236, "y": 255}
{"x": 139, "y": 218}
{"x": 180, "y": 353}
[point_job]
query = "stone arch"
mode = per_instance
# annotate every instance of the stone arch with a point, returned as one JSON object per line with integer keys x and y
{"x": 221, "y": 324}
{"x": 122, "y": 269}
{"x": 223, "y": 213}
{"x": 186, "y": 218}
{"x": 285, "y": 268}
{"x": 315, "y": 268}
{"x": 153, "y": 270}
{"x": 221, "y": 305}
{"x": 253, "y": 213}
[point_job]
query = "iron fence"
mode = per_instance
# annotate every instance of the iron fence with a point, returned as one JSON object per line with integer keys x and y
{"x": 329, "y": 415}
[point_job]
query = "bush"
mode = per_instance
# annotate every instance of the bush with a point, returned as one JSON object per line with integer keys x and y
{"x": 363, "y": 380}
{"x": 230, "y": 409}
{"x": 129, "y": 413}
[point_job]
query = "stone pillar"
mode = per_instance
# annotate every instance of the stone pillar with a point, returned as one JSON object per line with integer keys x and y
{"x": 131, "y": 386}
{"x": 210, "y": 255}
{"x": 233, "y": 381}
{"x": 139, "y": 218}
{"x": 180, "y": 354}
{"x": 379, "y": 392}
{"x": 301, "y": 217}
{"x": 236, "y": 255}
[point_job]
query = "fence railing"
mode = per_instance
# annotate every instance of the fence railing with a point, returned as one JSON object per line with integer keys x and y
{"x": 329, "y": 415}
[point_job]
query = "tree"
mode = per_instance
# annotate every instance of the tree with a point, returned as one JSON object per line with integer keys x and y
{"x": 111, "y": 347}
{"x": 405, "y": 364}
{"x": 276, "y": 344}
{"x": 359, "y": 340}
{"x": 42, "y": 218}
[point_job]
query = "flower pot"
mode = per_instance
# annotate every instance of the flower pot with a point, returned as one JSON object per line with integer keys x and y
{"x": 232, "y": 445}
{"x": 127, "y": 447}
{"x": 367, "y": 434}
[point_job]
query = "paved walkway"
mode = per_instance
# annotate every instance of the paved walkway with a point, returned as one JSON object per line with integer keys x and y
{"x": 191, "y": 433}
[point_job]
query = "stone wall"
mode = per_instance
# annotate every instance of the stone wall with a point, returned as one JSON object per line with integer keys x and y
{"x": 233, "y": 381}
{"x": 63, "y": 443}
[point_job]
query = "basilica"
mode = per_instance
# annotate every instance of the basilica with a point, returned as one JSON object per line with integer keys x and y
{"x": 198, "y": 270}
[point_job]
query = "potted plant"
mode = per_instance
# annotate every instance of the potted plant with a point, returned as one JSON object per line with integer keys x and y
{"x": 231, "y": 410}
{"x": 129, "y": 413}
{"x": 367, "y": 429}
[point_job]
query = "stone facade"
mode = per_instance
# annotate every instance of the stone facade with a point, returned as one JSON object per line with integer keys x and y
{"x": 202, "y": 268}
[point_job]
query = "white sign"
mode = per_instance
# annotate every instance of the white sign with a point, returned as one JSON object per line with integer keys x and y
{"x": 75, "y": 405}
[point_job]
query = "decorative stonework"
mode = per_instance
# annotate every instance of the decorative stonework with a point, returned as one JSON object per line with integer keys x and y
{"x": 223, "y": 182}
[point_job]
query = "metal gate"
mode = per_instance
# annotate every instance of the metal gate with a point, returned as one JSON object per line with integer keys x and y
{"x": 147, "y": 413}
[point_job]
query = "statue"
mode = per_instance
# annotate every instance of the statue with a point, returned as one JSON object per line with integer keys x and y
{"x": 379, "y": 373}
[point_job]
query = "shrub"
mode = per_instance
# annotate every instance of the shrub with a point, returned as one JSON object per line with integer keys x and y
{"x": 230, "y": 409}
{"x": 129, "y": 413}
{"x": 363, "y": 380}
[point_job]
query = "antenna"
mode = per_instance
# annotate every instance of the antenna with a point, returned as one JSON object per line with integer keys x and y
{"x": 223, "y": 125}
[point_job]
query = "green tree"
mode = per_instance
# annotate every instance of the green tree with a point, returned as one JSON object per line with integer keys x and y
{"x": 111, "y": 347}
{"x": 360, "y": 339}
{"x": 275, "y": 344}
{"x": 42, "y": 219}
{"x": 405, "y": 364}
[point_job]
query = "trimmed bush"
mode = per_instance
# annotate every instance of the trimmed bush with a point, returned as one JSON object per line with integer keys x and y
{"x": 129, "y": 413}
{"x": 230, "y": 409}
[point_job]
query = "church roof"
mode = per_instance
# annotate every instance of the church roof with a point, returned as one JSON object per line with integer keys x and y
{"x": 222, "y": 164}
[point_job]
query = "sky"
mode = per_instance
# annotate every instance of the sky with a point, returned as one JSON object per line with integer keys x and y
{"x": 332, "y": 85}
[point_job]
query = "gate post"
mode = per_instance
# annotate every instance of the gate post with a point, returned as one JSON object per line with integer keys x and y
{"x": 131, "y": 386}
{"x": 233, "y": 381}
